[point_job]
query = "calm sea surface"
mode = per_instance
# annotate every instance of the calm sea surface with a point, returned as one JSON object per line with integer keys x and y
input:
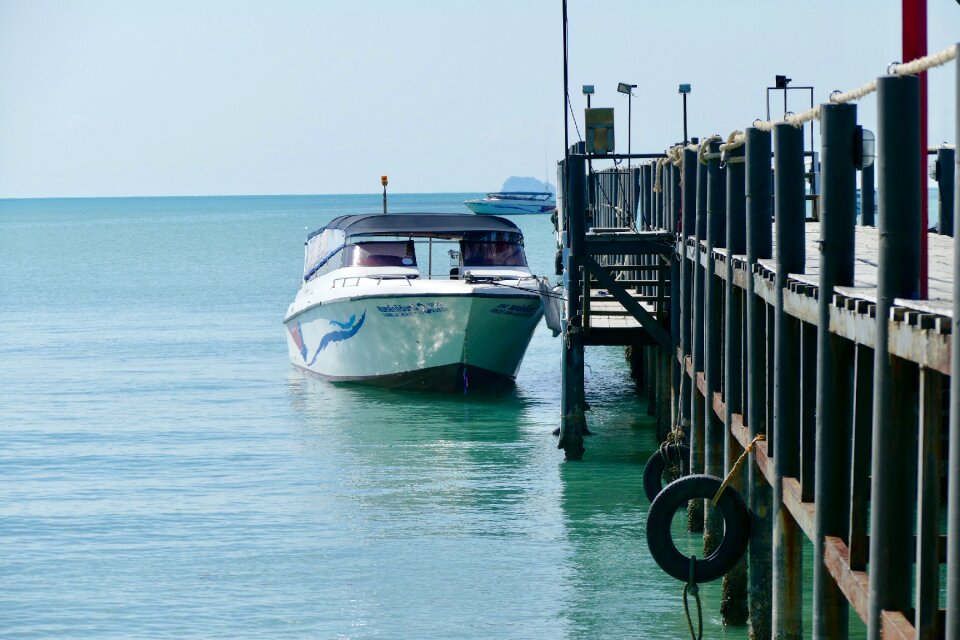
{"x": 166, "y": 473}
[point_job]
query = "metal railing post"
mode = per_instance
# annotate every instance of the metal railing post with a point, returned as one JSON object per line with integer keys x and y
{"x": 789, "y": 219}
{"x": 893, "y": 491}
{"x": 834, "y": 412}
{"x": 759, "y": 246}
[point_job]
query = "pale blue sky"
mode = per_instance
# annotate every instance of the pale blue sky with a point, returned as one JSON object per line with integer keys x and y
{"x": 111, "y": 97}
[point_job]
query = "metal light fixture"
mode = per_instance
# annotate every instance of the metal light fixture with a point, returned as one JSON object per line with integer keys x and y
{"x": 864, "y": 148}
{"x": 588, "y": 91}
{"x": 626, "y": 88}
{"x": 684, "y": 90}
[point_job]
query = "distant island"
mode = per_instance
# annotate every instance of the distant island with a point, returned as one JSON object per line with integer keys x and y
{"x": 521, "y": 183}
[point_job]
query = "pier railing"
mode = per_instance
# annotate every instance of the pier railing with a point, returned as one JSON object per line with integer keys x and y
{"x": 812, "y": 333}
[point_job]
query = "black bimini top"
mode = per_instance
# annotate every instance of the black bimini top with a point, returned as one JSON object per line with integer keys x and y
{"x": 418, "y": 224}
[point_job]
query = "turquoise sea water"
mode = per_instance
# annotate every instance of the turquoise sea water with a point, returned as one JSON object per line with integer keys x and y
{"x": 166, "y": 473}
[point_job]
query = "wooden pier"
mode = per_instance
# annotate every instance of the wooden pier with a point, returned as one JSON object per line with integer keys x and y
{"x": 747, "y": 317}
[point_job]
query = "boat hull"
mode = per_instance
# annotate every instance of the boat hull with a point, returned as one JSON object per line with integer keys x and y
{"x": 506, "y": 208}
{"x": 442, "y": 342}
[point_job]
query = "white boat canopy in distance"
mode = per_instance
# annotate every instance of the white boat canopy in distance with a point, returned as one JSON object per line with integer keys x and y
{"x": 533, "y": 196}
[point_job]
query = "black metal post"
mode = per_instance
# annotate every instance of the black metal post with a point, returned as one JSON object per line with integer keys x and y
{"x": 713, "y": 341}
{"x": 789, "y": 217}
{"x": 698, "y": 403}
{"x": 868, "y": 200}
{"x": 675, "y": 198}
{"x": 647, "y": 186}
{"x": 838, "y": 220}
{"x": 572, "y": 421}
{"x": 893, "y": 492}
{"x": 946, "y": 185}
{"x": 688, "y": 225}
{"x": 759, "y": 246}
{"x": 953, "y": 478}
{"x": 733, "y": 605}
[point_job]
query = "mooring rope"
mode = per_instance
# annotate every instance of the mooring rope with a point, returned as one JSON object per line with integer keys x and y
{"x": 840, "y": 97}
{"x": 736, "y": 467}
{"x": 692, "y": 588}
{"x": 702, "y": 155}
{"x": 737, "y": 138}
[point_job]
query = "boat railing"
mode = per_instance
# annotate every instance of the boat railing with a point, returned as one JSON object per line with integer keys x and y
{"x": 378, "y": 278}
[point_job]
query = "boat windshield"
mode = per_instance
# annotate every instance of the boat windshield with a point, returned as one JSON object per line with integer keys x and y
{"x": 380, "y": 254}
{"x": 493, "y": 254}
{"x": 519, "y": 195}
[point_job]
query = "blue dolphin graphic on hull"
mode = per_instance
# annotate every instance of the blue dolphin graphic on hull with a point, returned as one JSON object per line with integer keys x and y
{"x": 347, "y": 330}
{"x": 348, "y": 324}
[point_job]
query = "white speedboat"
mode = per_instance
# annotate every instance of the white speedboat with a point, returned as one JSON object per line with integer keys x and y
{"x": 513, "y": 203}
{"x": 370, "y": 307}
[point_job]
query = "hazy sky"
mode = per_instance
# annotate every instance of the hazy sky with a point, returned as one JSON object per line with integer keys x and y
{"x": 130, "y": 97}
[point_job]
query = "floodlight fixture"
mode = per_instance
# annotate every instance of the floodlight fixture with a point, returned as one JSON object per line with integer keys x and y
{"x": 587, "y": 89}
{"x": 864, "y": 148}
{"x": 684, "y": 88}
{"x": 623, "y": 87}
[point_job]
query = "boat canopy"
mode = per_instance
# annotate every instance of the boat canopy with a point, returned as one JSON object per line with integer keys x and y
{"x": 419, "y": 225}
{"x": 520, "y": 195}
{"x": 485, "y": 239}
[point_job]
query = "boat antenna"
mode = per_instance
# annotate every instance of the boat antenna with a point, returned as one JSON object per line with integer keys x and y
{"x": 383, "y": 181}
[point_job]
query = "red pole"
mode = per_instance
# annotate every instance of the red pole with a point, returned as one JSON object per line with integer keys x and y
{"x": 915, "y": 46}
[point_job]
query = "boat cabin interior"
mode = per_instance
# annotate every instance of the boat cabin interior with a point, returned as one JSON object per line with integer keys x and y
{"x": 438, "y": 246}
{"x": 443, "y": 257}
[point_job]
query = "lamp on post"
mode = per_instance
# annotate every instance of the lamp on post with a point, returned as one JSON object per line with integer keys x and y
{"x": 588, "y": 91}
{"x": 623, "y": 87}
{"x": 383, "y": 181}
{"x": 684, "y": 90}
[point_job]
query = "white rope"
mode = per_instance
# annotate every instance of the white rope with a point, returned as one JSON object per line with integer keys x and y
{"x": 840, "y": 97}
{"x": 702, "y": 155}
{"x": 659, "y": 170}
{"x": 737, "y": 138}
{"x": 926, "y": 62}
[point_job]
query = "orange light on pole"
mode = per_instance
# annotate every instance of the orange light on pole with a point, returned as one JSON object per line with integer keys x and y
{"x": 383, "y": 181}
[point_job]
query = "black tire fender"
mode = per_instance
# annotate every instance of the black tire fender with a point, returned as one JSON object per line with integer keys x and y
{"x": 736, "y": 534}
{"x": 657, "y": 464}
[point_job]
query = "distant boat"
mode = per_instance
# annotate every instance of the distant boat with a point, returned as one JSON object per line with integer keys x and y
{"x": 513, "y": 203}
{"x": 367, "y": 312}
